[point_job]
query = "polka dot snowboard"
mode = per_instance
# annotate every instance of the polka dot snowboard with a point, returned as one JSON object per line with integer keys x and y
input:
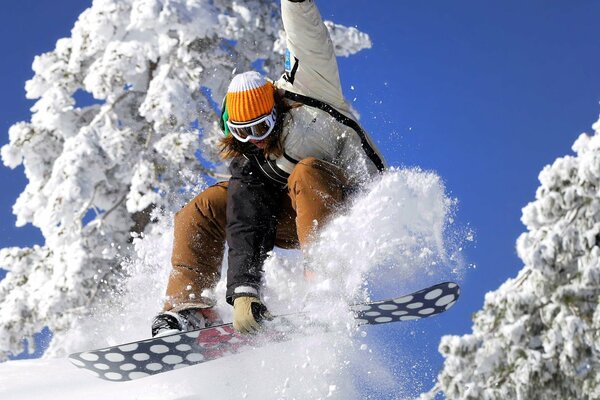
{"x": 424, "y": 303}
{"x": 153, "y": 356}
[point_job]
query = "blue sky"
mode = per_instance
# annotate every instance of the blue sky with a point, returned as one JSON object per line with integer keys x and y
{"x": 484, "y": 93}
{"x": 27, "y": 28}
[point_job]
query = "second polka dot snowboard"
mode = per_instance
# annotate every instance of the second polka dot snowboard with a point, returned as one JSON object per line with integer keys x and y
{"x": 152, "y": 356}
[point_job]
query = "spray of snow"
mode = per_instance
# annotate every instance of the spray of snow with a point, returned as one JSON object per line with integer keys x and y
{"x": 390, "y": 238}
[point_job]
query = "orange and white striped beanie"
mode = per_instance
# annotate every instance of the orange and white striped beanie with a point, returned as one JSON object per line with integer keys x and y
{"x": 249, "y": 96}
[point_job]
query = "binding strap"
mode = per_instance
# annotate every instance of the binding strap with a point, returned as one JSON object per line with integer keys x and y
{"x": 341, "y": 118}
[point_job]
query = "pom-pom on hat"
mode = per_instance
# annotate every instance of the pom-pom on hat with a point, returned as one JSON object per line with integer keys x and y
{"x": 249, "y": 96}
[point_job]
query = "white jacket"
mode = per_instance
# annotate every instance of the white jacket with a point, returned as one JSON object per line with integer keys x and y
{"x": 325, "y": 129}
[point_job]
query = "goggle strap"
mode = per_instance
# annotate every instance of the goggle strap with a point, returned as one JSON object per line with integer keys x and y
{"x": 224, "y": 117}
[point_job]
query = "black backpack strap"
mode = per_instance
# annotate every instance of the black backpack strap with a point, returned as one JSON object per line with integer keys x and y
{"x": 341, "y": 118}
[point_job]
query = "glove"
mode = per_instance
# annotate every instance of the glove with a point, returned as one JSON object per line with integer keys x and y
{"x": 248, "y": 313}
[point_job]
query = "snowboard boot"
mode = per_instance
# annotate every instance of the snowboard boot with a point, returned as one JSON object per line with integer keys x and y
{"x": 169, "y": 323}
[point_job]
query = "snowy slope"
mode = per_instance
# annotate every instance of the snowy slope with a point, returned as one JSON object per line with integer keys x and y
{"x": 391, "y": 241}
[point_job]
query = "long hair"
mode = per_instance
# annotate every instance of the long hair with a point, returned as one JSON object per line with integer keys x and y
{"x": 231, "y": 147}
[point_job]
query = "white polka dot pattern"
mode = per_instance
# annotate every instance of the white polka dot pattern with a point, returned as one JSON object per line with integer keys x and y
{"x": 147, "y": 357}
{"x": 421, "y": 304}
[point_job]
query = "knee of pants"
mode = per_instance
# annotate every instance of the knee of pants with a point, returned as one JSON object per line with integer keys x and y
{"x": 307, "y": 167}
{"x": 315, "y": 172}
{"x": 208, "y": 205}
{"x": 199, "y": 229}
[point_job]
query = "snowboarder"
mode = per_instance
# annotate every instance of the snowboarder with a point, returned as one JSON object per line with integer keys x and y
{"x": 296, "y": 154}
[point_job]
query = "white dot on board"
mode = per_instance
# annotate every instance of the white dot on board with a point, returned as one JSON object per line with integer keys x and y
{"x": 192, "y": 335}
{"x": 400, "y": 313}
{"x": 434, "y": 294}
{"x": 115, "y": 357}
{"x": 372, "y": 313}
{"x": 137, "y": 375}
{"x": 382, "y": 319}
{"x": 113, "y": 376}
{"x": 183, "y": 347}
{"x": 159, "y": 349}
{"x": 172, "y": 359}
{"x": 409, "y": 318}
{"x": 442, "y": 301}
{"x": 452, "y": 285}
{"x": 77, "y": 362}
{"x": 172, "y": 339}
{"x": 154, "y": 367}
{"x": 102, "y": 367}
{"x": 403, "y": 300}
{"x": 387, "y": 307}
{"x": 89, "y": 356}
{"x": 127, "y": 367}
{"x": 194, "y": 357}
{"x": 450, "y": 305}
{"x": 129, "y": 347}
{"x": 412, "y": 306}
{"x": 141, "y": 356}
{"x": 361, "y": 307}
{"x": 427, "y": 311}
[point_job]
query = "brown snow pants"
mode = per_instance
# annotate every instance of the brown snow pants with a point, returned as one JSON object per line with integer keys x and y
{"x": 316, "y": 189}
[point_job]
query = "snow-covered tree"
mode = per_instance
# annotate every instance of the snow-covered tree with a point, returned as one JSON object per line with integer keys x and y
{"x": 125, "y": 114}
{"x": 538, "y": 335}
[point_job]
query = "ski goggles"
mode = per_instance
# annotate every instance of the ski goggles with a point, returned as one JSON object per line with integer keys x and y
{"x": 257, "y": 129}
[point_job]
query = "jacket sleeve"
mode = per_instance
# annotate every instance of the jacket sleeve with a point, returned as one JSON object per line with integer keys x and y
{"x": 310, "y": 65}
{"x": 252, "y": 206}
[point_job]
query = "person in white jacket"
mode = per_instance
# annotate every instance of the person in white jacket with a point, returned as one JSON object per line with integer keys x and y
{"x": 296, "y": 155}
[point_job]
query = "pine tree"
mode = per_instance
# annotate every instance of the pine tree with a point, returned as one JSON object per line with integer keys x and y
{"x": 538, "y": 335}
{"x": 125, "y": 115}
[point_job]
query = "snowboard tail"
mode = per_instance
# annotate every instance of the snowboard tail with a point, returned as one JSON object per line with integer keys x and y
{"x": 156, "y": 355}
